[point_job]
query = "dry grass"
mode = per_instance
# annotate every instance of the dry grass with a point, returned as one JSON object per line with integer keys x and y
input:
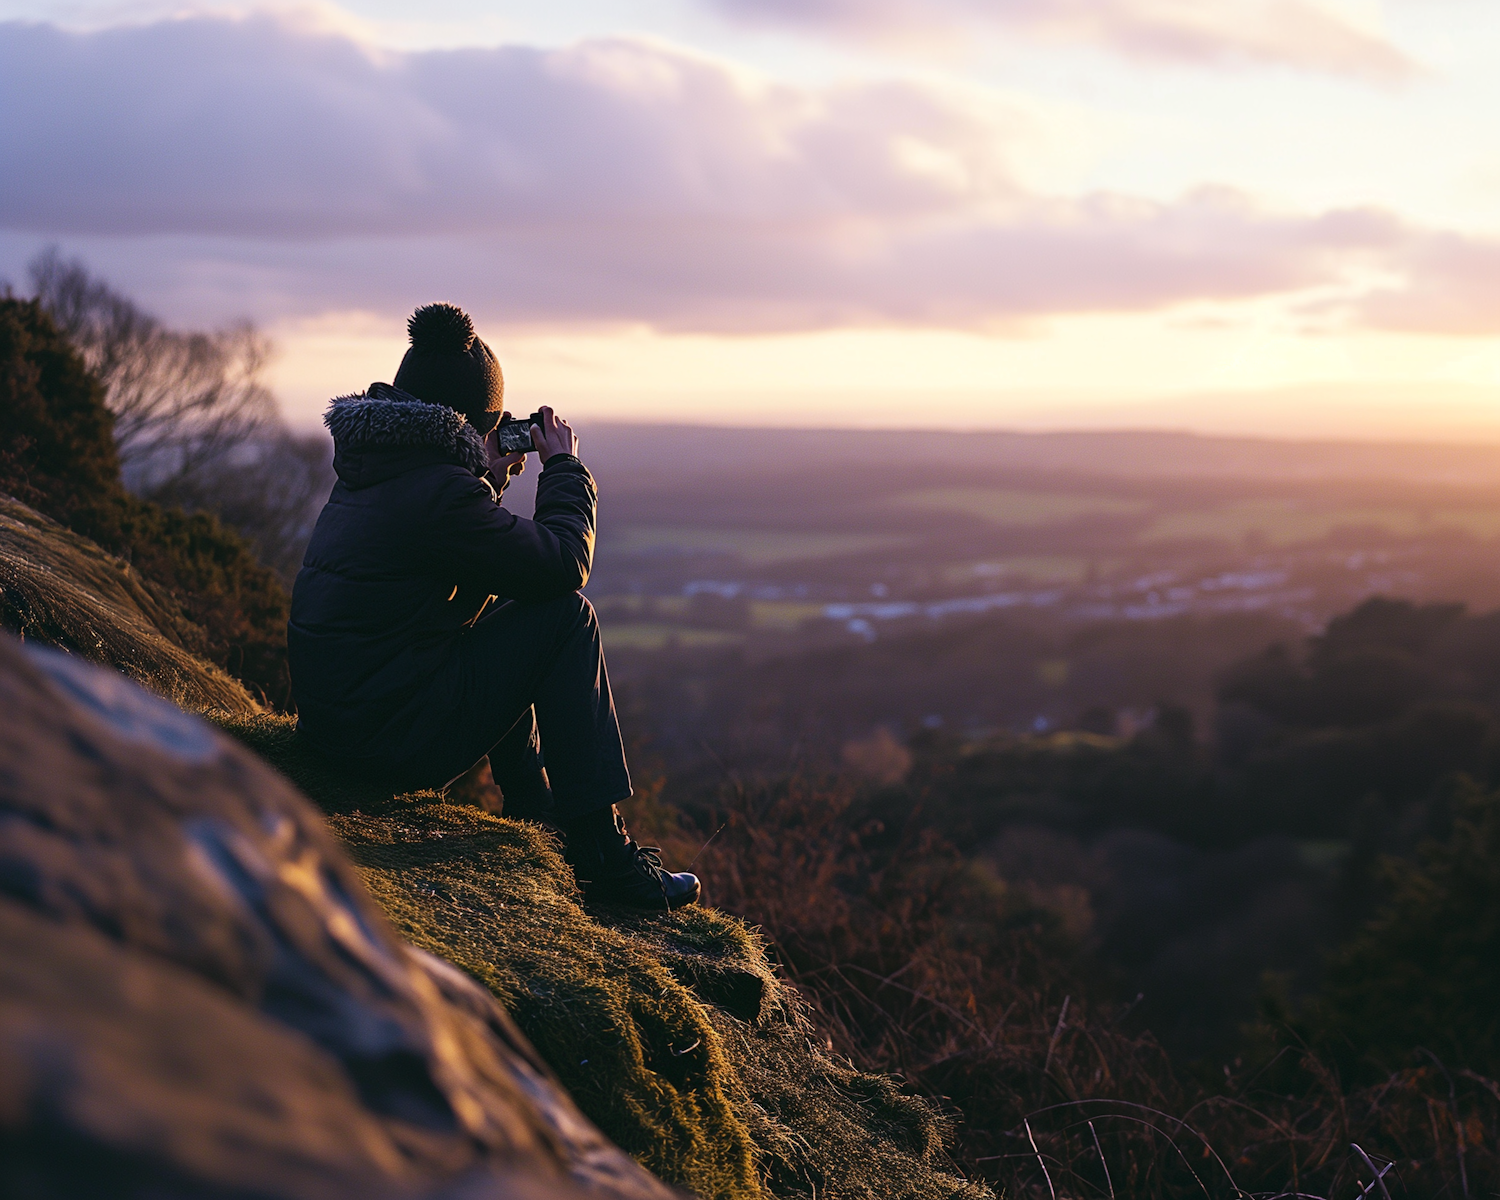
{"x": 63, "y": 590}
{"x": 916, "y": 965}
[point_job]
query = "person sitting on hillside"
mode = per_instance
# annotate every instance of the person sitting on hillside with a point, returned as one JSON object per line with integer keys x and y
{"x": 404, "y": 664}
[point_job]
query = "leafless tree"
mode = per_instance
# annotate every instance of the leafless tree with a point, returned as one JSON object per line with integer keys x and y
{"x": 195, "y": 423}
{"x": 183, "y": 402}
{"x": 271, "y": 494}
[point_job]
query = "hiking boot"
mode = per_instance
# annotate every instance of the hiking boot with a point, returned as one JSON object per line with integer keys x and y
{"x": 612, "y": 868}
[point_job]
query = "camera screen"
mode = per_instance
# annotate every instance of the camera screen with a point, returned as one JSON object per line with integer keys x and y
{"x": 513, "y": 436}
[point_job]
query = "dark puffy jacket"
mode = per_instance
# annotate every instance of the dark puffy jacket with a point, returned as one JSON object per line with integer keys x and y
{"x": 409, "y": 550}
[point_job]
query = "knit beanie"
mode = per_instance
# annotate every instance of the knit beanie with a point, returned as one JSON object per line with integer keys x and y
{"x": 448, "y": 364}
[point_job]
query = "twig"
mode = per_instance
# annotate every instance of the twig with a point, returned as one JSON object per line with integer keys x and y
{"x": 1040, "y": 1160}
{"x": 1458, "y": 1128}
{"x": 1056, "y": 1033}
{"x": 1171, "y": 1141}
{"x": 704, "y": 847}
{"x": 1182, "y": 1126}
{"x": 1378, "y": 1173}
{"x": 1100, "y": 1151}
{"x": 1488, "y": 1084}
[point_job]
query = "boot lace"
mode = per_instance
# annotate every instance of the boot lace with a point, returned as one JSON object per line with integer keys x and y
{"x": 648, "y": 861}
{"x": 649, "y": 857}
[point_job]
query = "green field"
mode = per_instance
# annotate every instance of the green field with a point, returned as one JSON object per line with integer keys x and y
{"x": 1025, "y": 568}
{"x": 757, "y": 547}
{"x": 648, "y": 622}
{"x": 1003, "y": 507}
{"x": 782, "y": 616}
{"x": 654, "y": 636}
{"x": 1288, "y": 522}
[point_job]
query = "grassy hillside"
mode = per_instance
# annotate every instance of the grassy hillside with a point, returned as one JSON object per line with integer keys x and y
{"x": 672, "y": 1032}
{"x": 62, "y": 589}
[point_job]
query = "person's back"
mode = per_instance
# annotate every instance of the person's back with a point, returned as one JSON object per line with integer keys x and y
{"x": 407, "y": 553}
{"x": 430, "y": 626}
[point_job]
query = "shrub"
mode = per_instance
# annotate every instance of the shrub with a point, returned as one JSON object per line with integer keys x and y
{"x": 913, "y": 963}
{"x": 57, "y": 455}
{"x": 1424, "y": 972}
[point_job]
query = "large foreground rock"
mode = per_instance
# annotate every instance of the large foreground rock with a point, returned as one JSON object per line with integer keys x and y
{"x": 198, "y": 998}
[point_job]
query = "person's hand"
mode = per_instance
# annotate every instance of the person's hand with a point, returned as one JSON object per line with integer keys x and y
{"x": 553, "y": 436}
{"x": 502, "y": 466}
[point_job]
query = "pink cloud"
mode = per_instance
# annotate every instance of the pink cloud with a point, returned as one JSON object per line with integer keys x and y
{"x": 234, "y": 166}
{"x": 1292, "y": 33}
{"x": 1446, "y": 283}
{"x": 213, "y": 126}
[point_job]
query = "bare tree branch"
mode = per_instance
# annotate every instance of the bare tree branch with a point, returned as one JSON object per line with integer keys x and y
{"x": 184, "y": 403}
{"x": 195, "y": 424}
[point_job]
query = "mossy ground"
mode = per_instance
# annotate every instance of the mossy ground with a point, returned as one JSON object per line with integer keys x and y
{"x": 672, "y": 1031}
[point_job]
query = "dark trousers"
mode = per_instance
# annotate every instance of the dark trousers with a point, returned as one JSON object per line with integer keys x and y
{"x": 531, "y": 688}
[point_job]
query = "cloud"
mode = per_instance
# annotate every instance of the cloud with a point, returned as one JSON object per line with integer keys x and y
{"x": 1293, "y": 33}
{"x": 214, "y": 126}
{"x": 1445, "y": 283}
{"x": 297, "y": 171}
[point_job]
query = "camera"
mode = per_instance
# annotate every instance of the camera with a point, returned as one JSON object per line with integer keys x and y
{"x": 513, "y": 435}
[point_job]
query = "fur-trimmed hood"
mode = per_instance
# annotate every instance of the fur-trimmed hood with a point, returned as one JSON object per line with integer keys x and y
{"x": 385, "y": 417}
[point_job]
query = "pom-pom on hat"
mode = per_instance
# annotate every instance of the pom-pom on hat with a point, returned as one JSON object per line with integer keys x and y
{"x": 448, "y": 364}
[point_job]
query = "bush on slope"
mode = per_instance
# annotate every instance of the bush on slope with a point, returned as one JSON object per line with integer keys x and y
{"x": 57, "y": 455}
{"x": 1424, "y": 971}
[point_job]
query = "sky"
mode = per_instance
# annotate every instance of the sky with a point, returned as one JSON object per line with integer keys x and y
{"x": 1274, "y": 217}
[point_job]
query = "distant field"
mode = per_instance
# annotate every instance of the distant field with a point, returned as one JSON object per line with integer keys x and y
{"x": 784, "y": 616}
{"x": 647, "y": 622}
{"x": 1023, "y": 568}
{"x": 653, "y": 636}
{"x": 757, "y": 547}
{"x": 1287, "y": 522}
{"x": 1004, "y": 507}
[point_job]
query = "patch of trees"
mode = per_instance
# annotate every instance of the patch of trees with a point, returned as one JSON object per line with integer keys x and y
{"x": 1243, "y": 838}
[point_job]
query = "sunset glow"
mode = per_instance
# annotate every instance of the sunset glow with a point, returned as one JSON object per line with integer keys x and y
{"x": 1253, "y": 216}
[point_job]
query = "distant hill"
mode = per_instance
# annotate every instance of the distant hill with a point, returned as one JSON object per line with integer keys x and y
{"x": 629, "y": 455}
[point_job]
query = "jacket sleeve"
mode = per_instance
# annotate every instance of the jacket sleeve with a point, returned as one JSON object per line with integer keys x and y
{"x": 504, "y": 555}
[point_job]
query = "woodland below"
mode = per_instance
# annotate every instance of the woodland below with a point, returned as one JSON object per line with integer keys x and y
{"x": 1247, "y": 948}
